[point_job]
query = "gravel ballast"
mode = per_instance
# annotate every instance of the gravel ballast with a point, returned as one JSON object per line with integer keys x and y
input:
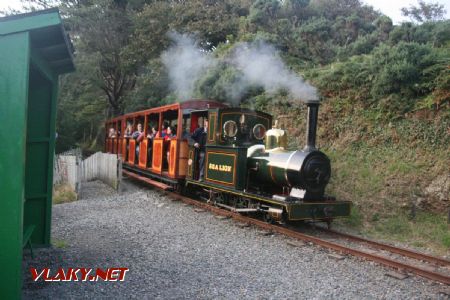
{"x": 174, "y": 252}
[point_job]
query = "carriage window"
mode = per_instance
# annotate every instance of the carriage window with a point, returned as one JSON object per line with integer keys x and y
{"x": 259, "y": 131}
{"x": 230, "y": 128}
{"x": 186, "y": 126}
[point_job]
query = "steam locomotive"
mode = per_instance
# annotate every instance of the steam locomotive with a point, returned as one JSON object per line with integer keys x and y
{"x": 247, "y": 167}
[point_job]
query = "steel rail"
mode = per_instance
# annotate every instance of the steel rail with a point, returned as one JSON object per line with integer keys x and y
{"x": 402, "y": 251}
{"x": 324, "y": 243}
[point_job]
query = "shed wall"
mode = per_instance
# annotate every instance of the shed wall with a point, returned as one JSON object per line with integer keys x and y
{"x": 14, "y": 68}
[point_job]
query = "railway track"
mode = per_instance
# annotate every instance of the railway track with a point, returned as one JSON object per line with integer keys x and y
{"x": 438, "y": 261}
{"x": 401, "y": 264}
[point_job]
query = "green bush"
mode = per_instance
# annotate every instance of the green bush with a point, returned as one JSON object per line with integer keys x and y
{"x": 393, "y": 79}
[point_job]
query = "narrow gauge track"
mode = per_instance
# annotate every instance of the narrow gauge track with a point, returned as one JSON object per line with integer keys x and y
{"x": 398, "y": 250}
{"x": 436, "y": 276}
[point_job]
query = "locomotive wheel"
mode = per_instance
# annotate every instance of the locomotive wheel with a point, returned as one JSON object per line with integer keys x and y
{"x": 329, "y": 222}
{"x": 268, "y": 218}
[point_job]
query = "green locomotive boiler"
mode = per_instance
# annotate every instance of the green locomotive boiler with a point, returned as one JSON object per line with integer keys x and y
{"x": 249, "y": 170}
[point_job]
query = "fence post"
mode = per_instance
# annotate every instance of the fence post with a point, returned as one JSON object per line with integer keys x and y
{"x": 119, "y": 174}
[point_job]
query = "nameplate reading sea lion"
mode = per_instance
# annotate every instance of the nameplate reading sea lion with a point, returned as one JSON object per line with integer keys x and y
{"x": 223, "y": 168}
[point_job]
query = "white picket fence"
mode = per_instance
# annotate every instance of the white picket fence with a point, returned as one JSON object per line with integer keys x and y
{"x": 103, "y": 166}
{"x": 71, "y": 169}
{"x": 67, "y": 170}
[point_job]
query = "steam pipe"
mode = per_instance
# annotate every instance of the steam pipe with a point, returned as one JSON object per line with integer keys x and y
{"x": 311, "y": 125}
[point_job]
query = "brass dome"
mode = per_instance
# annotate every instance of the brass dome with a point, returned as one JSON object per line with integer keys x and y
{"x": 276, "y": 138}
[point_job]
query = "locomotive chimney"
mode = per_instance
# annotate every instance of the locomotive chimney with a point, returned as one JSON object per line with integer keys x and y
{"x": 311, "y": 125}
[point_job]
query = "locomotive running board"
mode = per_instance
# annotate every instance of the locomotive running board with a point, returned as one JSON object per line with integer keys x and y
{"x": 238, "y": 193}
{"x": 237, "y": 209}
{"x": 157, "y": 184}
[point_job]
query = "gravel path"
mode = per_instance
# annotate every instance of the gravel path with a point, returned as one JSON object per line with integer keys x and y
{"x": 174, "y": 252}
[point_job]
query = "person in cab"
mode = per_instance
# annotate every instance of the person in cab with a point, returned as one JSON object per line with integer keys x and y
{"x": 199, "y": 137}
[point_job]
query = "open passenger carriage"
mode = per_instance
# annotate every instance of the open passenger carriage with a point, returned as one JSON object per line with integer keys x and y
{"x": 155, "y": 156}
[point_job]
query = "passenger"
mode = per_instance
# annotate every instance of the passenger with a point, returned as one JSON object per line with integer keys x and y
{"x": 169, "y": 135}
{"x": 138, "y": 132}
{"x": 138, "y": 135}
{"x": 128, "y": 131}
{"x": 153, "y": 133}
{"x": 164, "y": 129}
{"x": 112, "y": 133}
{"x": 199, "y": 137}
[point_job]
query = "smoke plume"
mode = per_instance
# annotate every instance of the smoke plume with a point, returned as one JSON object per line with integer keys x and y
{"x": 185, "y": 62}
{"x": 261, "y": 65}
{"x": 257, "y": 63}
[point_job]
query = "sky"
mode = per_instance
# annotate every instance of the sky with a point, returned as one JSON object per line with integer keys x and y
{"x": 392, "y": 8}
{"x": 388, "y": 7}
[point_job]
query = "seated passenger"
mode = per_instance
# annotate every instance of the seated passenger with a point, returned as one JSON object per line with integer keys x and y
{"x": 138, "y": 132}
{"x": 169, "y": 135}
{"x": 153, "y": 133}
{"x": 164, "y": 130}
{"x": 128, "y": 131}
{"x": 138, "y": 135}
{"x": 112, "y": 133}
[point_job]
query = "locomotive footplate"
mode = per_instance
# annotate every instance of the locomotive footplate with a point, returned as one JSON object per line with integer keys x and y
{"x": 318, "y": 210}
{"x": 295, "y": 211}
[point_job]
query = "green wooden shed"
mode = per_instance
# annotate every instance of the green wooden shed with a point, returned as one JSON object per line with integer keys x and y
{"x": 34, "y": 51}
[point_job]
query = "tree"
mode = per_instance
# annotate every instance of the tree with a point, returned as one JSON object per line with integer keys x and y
{"x": 424, "y": 12}
{"x": 263, "y": 13}
{"x": 211, "y": 20}
{"x": 104, "y": 30}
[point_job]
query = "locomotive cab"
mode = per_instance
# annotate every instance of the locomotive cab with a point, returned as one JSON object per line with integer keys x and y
{"x": 230, "y": 133}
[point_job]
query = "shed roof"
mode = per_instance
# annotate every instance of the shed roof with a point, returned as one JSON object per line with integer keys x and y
{"x": 47, "y": 36}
